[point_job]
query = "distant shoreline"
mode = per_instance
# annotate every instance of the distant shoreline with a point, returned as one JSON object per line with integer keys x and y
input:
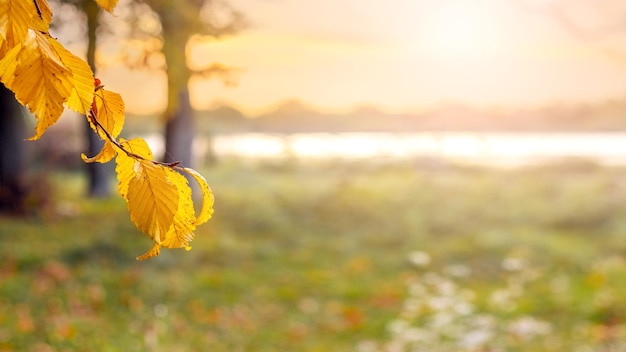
{"x": 297, "y": 117}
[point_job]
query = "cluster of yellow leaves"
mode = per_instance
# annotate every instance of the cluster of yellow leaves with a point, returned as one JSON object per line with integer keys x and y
{"x": 46, "y": 77}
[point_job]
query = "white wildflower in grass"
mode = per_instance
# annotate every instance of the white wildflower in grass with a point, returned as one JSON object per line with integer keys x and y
{"x": 442, "y": 319}
{"x": 440, "y": 315}
{"x": 419, "y": 259}
{"x": 475, "y": 339}
{"x": 458, "y": 270}
{"x": 398, "y": 326}
{"x": 446, "y": 287}
{"x": 412, "y": 306}
{"x": 439, "y": 303}
{"x": 367, "y": 346}
{"x": 462, "y": 308}
{"x": 512, "y": 264}
{"x": 413, "y": 335}
{"x": 527, "y": 327}
{"x": 503, "y": 299}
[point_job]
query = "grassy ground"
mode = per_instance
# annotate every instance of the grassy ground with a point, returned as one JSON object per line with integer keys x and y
{"x": 419, "y": 256}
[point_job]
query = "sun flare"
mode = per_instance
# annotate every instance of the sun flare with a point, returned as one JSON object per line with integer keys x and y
{"x": 459, "y": 29}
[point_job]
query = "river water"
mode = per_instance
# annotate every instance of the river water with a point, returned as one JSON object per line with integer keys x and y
{"x": 481, "y": 148}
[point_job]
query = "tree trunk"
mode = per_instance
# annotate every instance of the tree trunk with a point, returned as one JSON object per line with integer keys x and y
{"x": 179, "y": 124}
{"x": 12, "y": 153}
{"x": 179, "y": 131}
{"x": 99, "y": 175}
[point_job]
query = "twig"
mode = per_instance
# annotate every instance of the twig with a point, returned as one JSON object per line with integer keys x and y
{"x": 93, "y": 117}
{"x": 38, "y": 10}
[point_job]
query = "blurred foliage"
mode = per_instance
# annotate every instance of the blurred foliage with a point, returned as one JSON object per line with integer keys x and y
{"x": 321, "y": 256}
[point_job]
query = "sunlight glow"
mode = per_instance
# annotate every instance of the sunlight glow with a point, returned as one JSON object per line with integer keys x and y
{"x": 399, "y": 55}
{"x": 459, "y": 29}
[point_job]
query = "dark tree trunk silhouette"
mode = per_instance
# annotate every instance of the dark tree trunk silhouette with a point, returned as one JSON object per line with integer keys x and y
{"x": 12, "y": 153}
{"x": 179, "y": 122}
{"x": 99, "y": 175}
{"x": 179, "y": 21}
{"x": 179, "y": 132}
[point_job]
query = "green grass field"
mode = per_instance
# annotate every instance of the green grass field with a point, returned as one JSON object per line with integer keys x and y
{"x": 330, "y": 256}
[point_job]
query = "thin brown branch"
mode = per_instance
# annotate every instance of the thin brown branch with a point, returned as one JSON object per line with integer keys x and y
{"x": 38, "y": 10}
{"x": 98, "y": 125}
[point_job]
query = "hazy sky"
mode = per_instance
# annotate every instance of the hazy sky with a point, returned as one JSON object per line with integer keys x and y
{"x": 409, "y": 54}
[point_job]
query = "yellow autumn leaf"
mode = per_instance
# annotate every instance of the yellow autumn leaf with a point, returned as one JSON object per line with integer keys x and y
{"x": 45, "y": 76}
{"x": 41, "y": 21}
{"x": 15, "y": 19}
{"x": 181, "y": 233}
{"x": 105, "y": 155}
{"x": 34, "y": 60}
{"x": 125, "y": 164}
{"x": 159, "y": 197}
{"x": 183, "y": 224}
{"x": 82, "y": 93}
{"x": 109, "y": 110}
{"x": 152, "y": 252}
{"x": 156, "y": 208}
{"x": 108, "y": 5}
{"x": 207, "y": 196}
{"x": 152, "y": 199}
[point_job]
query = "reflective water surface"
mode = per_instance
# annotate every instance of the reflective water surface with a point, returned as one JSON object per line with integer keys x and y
{"x": 482, "y": 148}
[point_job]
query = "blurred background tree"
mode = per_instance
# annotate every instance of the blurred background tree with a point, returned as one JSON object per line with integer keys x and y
{"x": 99, "y": 175}
{"x": 157, "y": 33}
{"x": 12, "y": 153}
{"x": 180, "y": 21}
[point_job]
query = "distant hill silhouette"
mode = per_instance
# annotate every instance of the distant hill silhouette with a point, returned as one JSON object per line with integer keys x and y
{"x": 294, "y": 116}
